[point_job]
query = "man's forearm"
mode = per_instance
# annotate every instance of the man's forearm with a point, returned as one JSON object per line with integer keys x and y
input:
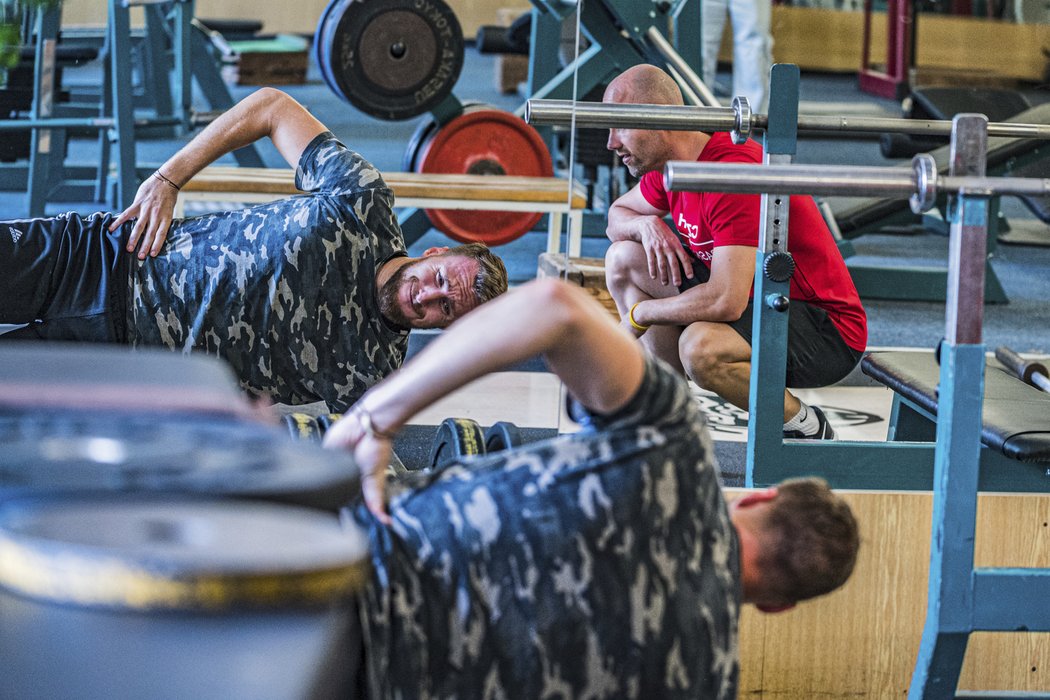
{"x": 625, "y": 224}
{"x": 245, "y": 123}
{"x": 697, "y": 304}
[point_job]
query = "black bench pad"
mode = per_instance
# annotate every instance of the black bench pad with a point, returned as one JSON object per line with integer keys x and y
{"x": 1016, "y": 416}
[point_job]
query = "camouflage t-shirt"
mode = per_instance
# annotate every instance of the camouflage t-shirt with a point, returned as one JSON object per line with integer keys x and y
{"x": 285, "y": 292}
{"x": 601, "y": 564}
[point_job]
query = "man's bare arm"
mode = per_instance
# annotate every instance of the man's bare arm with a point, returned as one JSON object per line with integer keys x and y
{"x": 632, "y": 218}
{"x": 722, "y": 298}
{"x": 265, "y": 113}
{"x": 600, "y": 364}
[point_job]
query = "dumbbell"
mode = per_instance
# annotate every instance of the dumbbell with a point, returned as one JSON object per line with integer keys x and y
{"x": 304, "y": 426}
{"x": 501, "y": 436}
{"x": 455, "y": 438}
{"x": 463, "y": 437}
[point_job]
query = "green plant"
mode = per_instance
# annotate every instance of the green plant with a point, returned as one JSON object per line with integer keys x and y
{"x": 12, "y": 13}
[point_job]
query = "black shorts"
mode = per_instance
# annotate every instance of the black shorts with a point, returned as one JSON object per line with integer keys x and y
{"x": 816, "y": 353}
{"x": 64, "y": 276}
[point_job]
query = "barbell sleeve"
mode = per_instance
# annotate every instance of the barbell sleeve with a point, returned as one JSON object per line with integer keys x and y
{"x": 600, "y": 115}
{"x": 921, "y": 183}
{"x": 828, "y": 180}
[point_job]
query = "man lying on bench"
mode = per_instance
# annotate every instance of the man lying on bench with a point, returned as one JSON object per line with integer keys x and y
{"x": 308, "y": 298}
{"x": 600, "y": 563}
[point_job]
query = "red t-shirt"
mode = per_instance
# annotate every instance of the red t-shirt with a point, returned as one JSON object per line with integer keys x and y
{"x": 706, "y": 220}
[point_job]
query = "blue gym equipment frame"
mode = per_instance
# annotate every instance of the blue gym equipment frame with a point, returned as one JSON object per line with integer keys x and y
{"x": 961, "y": 599}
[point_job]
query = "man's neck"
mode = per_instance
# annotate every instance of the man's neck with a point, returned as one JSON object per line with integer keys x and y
{"x": 693, "y": 146}
{"x": 385, "y": 271}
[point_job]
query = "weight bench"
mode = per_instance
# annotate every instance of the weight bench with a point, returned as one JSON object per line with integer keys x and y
{"x": 1016, "y": 415}
{"x": 417, "y": 190}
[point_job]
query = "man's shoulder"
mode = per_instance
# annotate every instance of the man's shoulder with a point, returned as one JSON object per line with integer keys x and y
{"x": 720, "y": 148}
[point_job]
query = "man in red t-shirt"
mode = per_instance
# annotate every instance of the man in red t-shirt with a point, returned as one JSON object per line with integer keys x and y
{"x": 687, "y": 292}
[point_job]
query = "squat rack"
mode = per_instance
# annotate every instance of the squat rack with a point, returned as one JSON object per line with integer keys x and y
{"x": 961, "y": 598}
{"x": 170, "y": 27}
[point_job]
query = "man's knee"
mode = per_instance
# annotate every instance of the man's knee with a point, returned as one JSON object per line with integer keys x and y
{"x": 622, "y": 260}
{"x": 704, "y": 349}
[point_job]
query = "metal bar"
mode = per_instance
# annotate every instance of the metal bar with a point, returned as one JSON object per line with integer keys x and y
{"x": 967, "y": 246}
{"x": 1011, "y": 600}
{"x": 595, "y": 115}
{"x": 830, "y": 180}
{"x": 197, "y": 119}
{"x": 870, "y": 181}
{"x": 684, "y": 70}
{"x": 599, "y": 115}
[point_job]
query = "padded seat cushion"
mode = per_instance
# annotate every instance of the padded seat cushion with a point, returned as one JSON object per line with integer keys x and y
{"x": 1016, "y": 415}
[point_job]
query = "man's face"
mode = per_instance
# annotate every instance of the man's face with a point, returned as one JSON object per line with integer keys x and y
{"x": 430, "y": 293}
{"x": 640, "y": 150}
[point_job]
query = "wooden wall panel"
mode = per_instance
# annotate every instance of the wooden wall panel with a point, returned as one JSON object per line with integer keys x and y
{"x": 814, "y": 38}
{"x": 862, "y": 640}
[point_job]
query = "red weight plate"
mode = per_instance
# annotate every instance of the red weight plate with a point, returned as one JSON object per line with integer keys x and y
{"x": 485, "y": 142}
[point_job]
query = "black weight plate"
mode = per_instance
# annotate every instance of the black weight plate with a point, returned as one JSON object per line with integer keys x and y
{"x": 456, "y": 437}
{"x": 325, "y": 421}
{"x": 302, "y": 426}
{"x": 325, "y": 26}
{"x": 501, "y": 436}
{"x": 394, "y": 59}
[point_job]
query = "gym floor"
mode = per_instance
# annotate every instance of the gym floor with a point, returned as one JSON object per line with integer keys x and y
{"x": 529, "y": 396}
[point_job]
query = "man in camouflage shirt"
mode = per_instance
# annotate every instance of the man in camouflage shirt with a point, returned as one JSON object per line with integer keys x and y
{"x": 600, "y": 564}
{"x": 309, "y": 298}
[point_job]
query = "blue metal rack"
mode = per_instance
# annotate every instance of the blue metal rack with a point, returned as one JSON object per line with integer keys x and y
{"x": 961, "y": 599}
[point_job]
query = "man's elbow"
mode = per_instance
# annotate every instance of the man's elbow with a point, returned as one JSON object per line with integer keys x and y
{"x": 728, "y": 309}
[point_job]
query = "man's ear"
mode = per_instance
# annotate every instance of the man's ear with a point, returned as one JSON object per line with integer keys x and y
{"x": 775, "y": 608}
{"x": 435, "y": 250}
{"x": 756, "y": 497}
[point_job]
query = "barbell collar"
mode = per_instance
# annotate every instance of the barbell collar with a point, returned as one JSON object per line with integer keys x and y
{"x": 924, "y": 169}
{"x": 742, "y": 112}
{"x": 600, "y": 115}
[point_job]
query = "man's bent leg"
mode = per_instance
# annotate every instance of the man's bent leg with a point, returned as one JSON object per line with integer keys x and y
{"x": 718, "y": 359}
{"x": 628, "y": 281}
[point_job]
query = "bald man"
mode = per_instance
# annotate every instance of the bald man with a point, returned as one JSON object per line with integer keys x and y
{"x": 686, "y": 290}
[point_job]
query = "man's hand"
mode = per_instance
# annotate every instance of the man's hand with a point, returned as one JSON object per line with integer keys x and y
{"x": 153, "y": 208}
{"x": 372, "y": 452}
{"x": 664, "y": 252}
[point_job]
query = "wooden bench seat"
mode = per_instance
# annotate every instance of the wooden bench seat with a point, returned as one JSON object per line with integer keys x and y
{"x": 1016, "y": 416}
{"x": 419, "y": 190}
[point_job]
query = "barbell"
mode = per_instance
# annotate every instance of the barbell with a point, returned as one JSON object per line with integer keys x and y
{"x": 739, "y": 120}
{"x": 921, "y": 184}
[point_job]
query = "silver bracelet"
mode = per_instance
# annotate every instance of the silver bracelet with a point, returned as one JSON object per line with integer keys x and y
{"x": 365, "y": 419}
